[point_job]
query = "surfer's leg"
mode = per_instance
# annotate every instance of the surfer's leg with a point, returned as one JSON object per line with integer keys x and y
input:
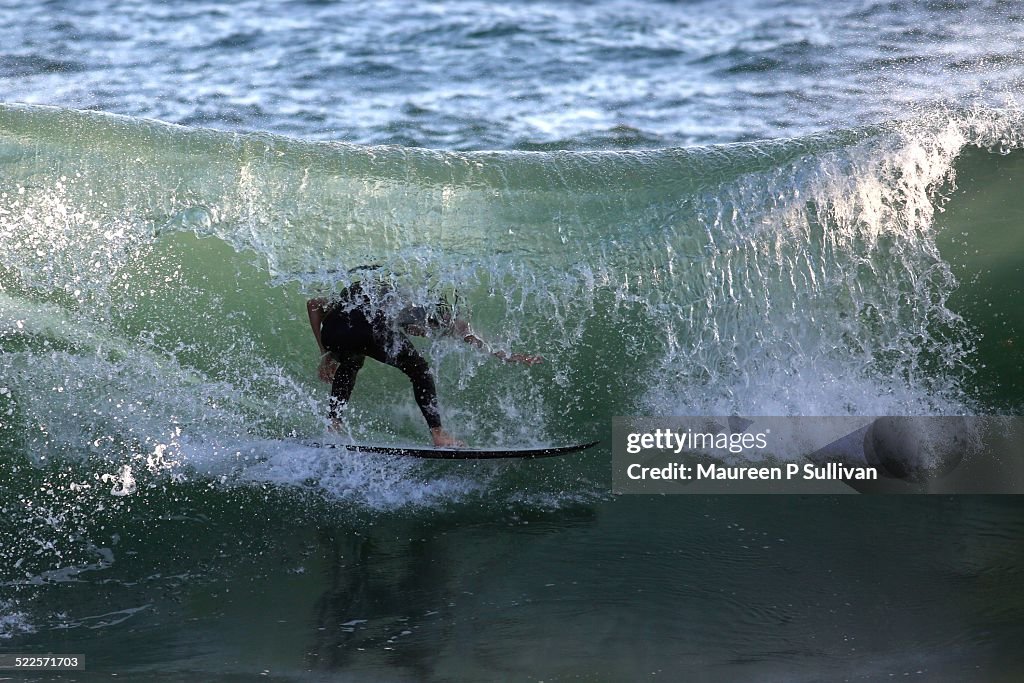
{"x": 345, "y": 334}
{"x": 343, "y": 384}
{"x": 397, "y": 351}
{"x": 407, "y": 359}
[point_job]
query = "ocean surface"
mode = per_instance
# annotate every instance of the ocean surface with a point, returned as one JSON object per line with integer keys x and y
{"x": 688, "y": 208}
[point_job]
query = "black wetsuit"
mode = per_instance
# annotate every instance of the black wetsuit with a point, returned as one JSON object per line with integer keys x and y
{"x": 351, "y": 331}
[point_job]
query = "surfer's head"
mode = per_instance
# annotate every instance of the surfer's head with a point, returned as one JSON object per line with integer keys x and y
{"x": 443, "y": 314}
{"x": 437, "y": 317}
{"x": 380, "y": 287}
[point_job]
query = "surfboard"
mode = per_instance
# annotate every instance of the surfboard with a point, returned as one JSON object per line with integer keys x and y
{"x": 438, "y": 453}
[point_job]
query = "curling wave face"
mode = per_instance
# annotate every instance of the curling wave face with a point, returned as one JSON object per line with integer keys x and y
{"x": 152, "y": 280}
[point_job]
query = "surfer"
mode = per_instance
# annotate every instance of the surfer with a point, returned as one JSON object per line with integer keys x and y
{"x": 350, "y": 327}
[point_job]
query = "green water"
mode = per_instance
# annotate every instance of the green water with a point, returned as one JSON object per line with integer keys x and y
{"x": 739, "y": 588}
{"x": 161, "y": 517}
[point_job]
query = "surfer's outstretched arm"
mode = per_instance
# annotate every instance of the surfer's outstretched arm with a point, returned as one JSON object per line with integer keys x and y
{"x": 462, "y": 330}
{"x": 317, "y": 310}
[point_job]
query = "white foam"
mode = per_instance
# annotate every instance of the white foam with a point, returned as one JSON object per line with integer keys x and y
{"x": 13, "y": 622}
{"x": 823, "y": 291}
{"x": 374, "y": 481}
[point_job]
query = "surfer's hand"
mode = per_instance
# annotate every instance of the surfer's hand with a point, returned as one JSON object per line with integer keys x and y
{"x": 519, "y": 358}
{"x": 328, "y": 366}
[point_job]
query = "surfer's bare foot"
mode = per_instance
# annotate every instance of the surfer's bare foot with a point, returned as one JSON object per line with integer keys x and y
{"x": 444, "y": 439}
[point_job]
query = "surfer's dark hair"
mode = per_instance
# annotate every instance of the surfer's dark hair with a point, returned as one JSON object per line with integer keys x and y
{"x": 439, "y": 316}
{"x": 443, "y": 313}
{"x": 365, "y": 266}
